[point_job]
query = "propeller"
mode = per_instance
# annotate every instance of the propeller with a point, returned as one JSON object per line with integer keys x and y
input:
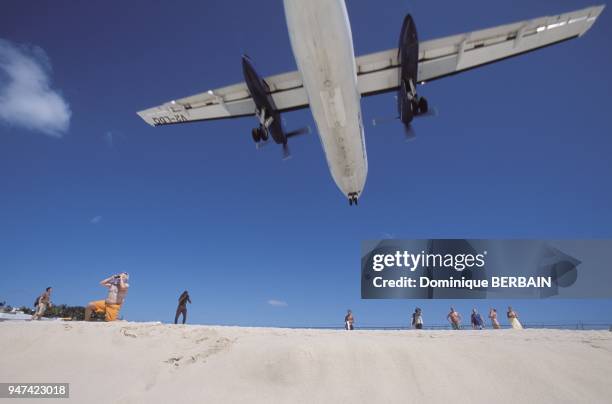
{"x": 433, "y": 111}
{"x": 302, "y": 131}
{"x": 408, "y": 129}
{"x": 409, "y": 132}
{"x": 261, "y": 144}
{"x": 286, "y": 152}
{"x": 297, "y": 132}
{"x": 379, "y": 121}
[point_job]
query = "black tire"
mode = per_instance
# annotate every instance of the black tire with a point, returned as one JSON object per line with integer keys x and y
{"x": 423, "y": 106}
{"x": 256, "y": 135}
{"x": 263, "y": 134}
{"x": 414, "y": 107}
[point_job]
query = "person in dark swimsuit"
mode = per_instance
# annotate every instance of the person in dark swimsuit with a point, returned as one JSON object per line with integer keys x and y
{"x": 349, "y": 320}
{"x": 182, "y": 307}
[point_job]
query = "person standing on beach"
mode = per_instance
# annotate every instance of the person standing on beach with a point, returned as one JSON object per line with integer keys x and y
{"x": 455, "y": 319}
{"x": 417, "y": 319}
{"x": 117, "y": 290}
{"x": 44, "y": 301}
{"x": 349, "y": 320}
{"x": 182, "y": 307}
{"x": 513, "y": 319}
{"x": 493, "y": 318}
{"x": 476, "y": 319}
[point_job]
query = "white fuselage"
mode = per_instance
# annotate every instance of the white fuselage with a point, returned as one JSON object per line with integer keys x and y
{"x": 322, "y": 45}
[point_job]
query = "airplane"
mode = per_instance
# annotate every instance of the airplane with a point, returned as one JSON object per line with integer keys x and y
{"x": 331, "y": 80}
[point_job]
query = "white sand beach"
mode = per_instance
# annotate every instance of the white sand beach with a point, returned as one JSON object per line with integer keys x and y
{"x": 126, "y": 362}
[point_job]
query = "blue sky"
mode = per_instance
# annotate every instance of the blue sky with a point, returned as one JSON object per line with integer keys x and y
{"x": 519, "y": 149}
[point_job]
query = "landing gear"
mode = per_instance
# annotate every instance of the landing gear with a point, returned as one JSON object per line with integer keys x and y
{"x": 418, "y": 104}
{"x": 260, "y": 134}
{"x": 352, "y": 197}
{"x": 423, "y": 106}
{"x": 256, "y": 134}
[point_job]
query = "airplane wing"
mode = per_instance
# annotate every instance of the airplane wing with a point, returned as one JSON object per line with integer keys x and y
{"x": 228, "y": 102}
{"x": 379, "y": 72}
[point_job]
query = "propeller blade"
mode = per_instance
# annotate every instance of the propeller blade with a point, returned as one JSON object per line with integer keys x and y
{"x": 430, "y": 112}
{"x": 409, "y": 132}
{"x": 286, "y": 152}
{"x": 261, "y": 144}
{"x": 297, "y": 132}
{"x": 387, "y": 119}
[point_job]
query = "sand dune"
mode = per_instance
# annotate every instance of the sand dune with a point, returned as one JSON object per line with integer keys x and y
{"x": 144, "y": 362}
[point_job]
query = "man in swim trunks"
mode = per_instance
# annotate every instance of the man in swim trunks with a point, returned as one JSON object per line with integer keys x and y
{"x": 117, "y": 290}
{"x": 455, "y": 319}
{"x": 182, "y": 307}
{"x": 349, "y": 320}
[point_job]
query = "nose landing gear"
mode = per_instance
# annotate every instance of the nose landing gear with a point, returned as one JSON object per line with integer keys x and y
{"x": 352, "y": 197}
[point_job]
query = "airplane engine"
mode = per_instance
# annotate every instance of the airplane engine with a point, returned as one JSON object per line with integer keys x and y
{"x": 266, "y": 111}
{"x": 270, "y": 124}
{"x": 410, "y": 104}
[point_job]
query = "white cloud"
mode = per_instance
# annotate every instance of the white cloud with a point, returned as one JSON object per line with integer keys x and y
{"x": 277, "y": 303}
{"x": 95, "y": 220}
{"x": 26, "y": 97}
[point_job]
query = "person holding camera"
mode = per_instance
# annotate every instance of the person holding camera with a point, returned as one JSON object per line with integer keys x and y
{"x": 182, "y": 307}
{"x": 117, "y": 290}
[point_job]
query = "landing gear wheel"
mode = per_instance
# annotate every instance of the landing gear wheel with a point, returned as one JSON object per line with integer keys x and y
{"x": 352, "y": 199}
{"x": 264, "y": 134}
{"x": 256, "y": 134}
{"x": 423, "y": 107}
{"x": 414, "y": 107}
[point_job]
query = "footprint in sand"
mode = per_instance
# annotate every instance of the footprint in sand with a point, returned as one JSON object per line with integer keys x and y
{"x": 125, "y": 331}
{"x": 175, "y": 361}
{"x": 220, "y": 345}
{"x": 200, "y": 340}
